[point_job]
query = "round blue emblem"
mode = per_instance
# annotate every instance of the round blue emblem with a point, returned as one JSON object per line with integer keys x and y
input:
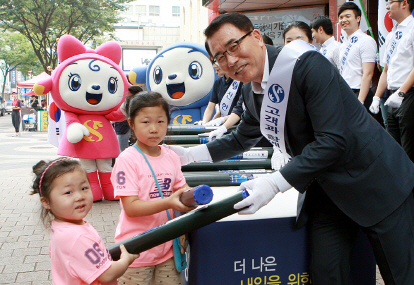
{"x": 276, "y": 93}
{"x": 354, "y": 39}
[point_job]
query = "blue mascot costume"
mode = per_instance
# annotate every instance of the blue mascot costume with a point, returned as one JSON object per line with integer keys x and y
{"x": 184, "y": 76}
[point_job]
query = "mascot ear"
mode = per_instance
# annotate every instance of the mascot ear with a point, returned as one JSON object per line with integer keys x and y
{"x": 137, "y": 75}
{"x": 111, "y": 50}
{"x": 43, "y": 86}
{"x": 69, "y": 46}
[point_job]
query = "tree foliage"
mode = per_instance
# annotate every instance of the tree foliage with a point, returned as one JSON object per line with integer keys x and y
{"x": 43, "y": 22}
{"x": 16, "y": 53}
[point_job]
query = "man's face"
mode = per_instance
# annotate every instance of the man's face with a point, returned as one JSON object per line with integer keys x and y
{"x": 348, "y": 22}
{"x": 248, "y": 64}
{"x": 316, "y": 36}
{"x": 394, "y": 9}
{"x": 218, "y": 70}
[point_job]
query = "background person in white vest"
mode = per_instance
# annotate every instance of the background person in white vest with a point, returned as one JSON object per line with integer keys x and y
{"x": 322, "y": 33}
{"x": 398, "y": 76}
{"x": 220, "y": 88}
{"x": 357, "y": 54}
{"x": 350, "y": 173}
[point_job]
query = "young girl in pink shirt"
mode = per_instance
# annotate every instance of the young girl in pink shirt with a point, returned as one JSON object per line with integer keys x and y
{"x": 142, "y": 207}
{"x": 78, "y": 254}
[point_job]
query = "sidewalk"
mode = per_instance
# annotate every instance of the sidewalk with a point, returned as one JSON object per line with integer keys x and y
{"x": 24, "y": 242}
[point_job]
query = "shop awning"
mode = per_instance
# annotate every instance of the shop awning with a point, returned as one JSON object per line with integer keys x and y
{"x": 31, "y": 82}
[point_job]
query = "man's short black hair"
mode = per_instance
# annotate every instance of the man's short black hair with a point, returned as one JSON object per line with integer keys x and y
{"x": 324, "y": 22}
{"x": 411, "y": 5}
{"x": 350, "y": 6}
{"x": 267, "y": 40}
{"x": 236, "y": 19}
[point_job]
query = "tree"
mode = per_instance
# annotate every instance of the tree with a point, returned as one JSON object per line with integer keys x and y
{"x": 43, "y": 22}
{"x": 16, "y": 53}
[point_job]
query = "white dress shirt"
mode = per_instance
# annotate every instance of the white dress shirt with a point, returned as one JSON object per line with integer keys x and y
{"x": 330, "y": 49}
{"x": 399, "y": 55}
{"x": 260, "y": 88}
{"x": 356, "y": 49}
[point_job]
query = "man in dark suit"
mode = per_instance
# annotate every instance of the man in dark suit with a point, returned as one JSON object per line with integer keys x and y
{"x": 353, "y": 173}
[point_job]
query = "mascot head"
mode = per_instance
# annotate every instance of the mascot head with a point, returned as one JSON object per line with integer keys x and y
{"x": 182, "y": 73}
{"x": 86, "y": 81}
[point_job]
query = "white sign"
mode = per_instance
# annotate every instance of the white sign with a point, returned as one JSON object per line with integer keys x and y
{"x": 272, "y": 23}
{"x": 136, "y": 58}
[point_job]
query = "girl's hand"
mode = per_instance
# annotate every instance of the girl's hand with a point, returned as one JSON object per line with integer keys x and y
{"x": 175, "y": 202}
{"x": 118, "y": 267}
{"x": 129, "y": 257}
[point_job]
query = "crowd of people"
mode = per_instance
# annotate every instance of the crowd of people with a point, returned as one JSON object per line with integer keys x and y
{"x": 21, "y": 107}
{"x": 312, "y": 106}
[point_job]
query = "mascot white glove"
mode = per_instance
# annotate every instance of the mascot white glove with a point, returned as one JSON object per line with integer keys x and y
{"x": 375, "y": 105}
{"x": 216, "y": 122}
{"x": 75, "y": 132}
{"x": 200, "y": 123}
{"x": 262, "y": 190}
{"x": 279, "y": 159}
{"x": 216, "y": 134}
{"x": 394, "y": 101}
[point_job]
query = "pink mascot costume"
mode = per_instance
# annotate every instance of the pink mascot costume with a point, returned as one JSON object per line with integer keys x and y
{"x": 90, "y": 87}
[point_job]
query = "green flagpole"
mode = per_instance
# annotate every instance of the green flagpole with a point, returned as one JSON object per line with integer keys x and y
{"x": 366, "y": 19}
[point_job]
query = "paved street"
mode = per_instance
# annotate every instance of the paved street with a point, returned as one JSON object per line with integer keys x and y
{"x": 24, "y": 241}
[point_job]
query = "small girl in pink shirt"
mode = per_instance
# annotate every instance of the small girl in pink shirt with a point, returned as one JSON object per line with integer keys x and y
{"x": 78, "y": 254}
{"x": 142, "y": 207}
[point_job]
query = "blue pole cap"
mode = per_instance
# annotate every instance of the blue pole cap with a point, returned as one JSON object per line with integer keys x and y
{"x": 203, "y": 194}
{"x": 245, "y": 194}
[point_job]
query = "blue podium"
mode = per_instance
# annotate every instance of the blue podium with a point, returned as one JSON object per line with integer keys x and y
{"x": 264, "y": 248}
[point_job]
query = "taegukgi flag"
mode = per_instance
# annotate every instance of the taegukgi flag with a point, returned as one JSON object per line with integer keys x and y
{"x": 385, "y": 25}
{"x": 56, "y": 123}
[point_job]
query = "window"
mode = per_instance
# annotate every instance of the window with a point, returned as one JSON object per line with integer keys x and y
{"x": 176, "y": 11}
{"x": 129, "y": 11}
{"x": 154, "y": 10}
{"x": 141, "y": 10}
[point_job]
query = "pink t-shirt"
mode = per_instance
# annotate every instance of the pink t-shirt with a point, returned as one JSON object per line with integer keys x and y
{"x": 131, "y": 176}
{"x": 78, "y": 254}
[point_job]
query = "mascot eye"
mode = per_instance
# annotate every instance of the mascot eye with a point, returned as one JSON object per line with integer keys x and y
{"x": 195, "y": 70}
{"x": 112, "y": 85}
{"x": 74, "y": 82}
{"x": 157, "y": 75}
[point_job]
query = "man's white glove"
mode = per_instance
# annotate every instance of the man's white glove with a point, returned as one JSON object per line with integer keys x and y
{"x": 216, "y": 122}
{"x": 279, "y": 159}
{"x": 184, "y": 153}
{"x": 262, "y": 190}
{"x": 216, "y": 134}
{"x": 394, "y": 101}
{"x": 200, "y": 123}
{"x": 375, "y": 105}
